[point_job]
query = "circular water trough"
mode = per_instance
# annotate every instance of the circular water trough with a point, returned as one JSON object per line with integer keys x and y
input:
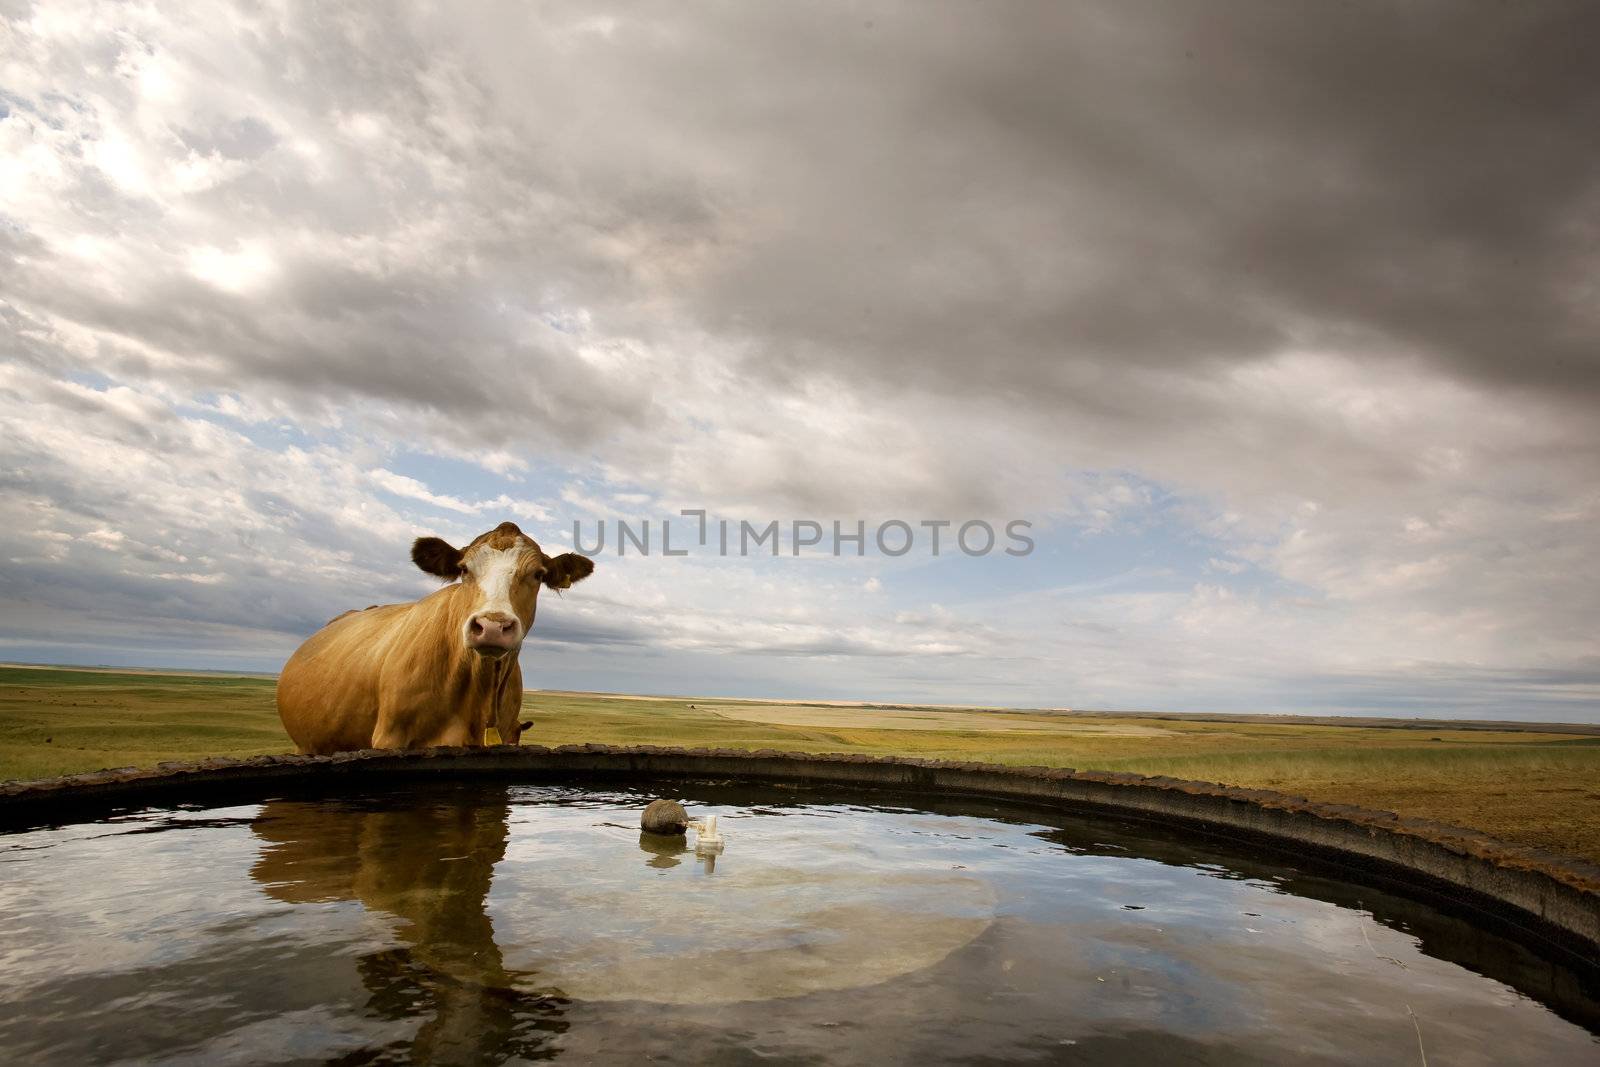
{"x": 825, "y": 916}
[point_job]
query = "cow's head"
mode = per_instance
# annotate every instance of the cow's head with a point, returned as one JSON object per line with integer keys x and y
{"x": 501, "y": 571}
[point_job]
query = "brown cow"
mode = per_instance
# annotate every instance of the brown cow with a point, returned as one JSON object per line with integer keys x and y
{"x": 438, "y": 671}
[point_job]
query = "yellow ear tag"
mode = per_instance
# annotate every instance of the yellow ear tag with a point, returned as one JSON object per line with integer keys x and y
{"x": 491, "y": 736}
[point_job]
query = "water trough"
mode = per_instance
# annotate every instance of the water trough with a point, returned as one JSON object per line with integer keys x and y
{"x": 936, "y": 896}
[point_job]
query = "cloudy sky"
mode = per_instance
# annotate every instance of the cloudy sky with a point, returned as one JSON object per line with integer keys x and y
{"x": 1279, "y": 321}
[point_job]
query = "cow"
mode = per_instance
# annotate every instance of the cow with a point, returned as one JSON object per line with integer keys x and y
{"x": 438, "y": 671}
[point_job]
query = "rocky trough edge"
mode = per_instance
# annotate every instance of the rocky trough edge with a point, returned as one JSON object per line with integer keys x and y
{"x": 1561, "y": 896}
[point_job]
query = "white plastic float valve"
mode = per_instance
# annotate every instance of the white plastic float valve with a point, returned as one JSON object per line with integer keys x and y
{"x": 707, "y": 840}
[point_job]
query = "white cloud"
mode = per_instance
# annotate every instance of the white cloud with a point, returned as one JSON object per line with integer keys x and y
{"x": 400, "y": 485}
{"x": 246, "y": 269}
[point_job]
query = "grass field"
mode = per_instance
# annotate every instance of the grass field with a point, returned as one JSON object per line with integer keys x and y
{"x": 1535, "y": 788}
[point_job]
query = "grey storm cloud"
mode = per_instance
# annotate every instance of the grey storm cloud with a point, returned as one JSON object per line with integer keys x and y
{"x": 1024, "y": 204}
{"x": 1042, "y": 205}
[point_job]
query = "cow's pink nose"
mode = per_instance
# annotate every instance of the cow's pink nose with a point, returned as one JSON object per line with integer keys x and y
{"x": 493, "y": 632}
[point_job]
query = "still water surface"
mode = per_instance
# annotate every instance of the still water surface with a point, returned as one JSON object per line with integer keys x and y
{"x": 487, "y": 923}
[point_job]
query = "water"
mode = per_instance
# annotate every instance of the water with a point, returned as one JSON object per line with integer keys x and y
{"x": 484, "y": 923}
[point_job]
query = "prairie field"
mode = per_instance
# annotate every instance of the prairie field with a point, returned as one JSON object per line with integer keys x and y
{"x": 1531, "y": 787}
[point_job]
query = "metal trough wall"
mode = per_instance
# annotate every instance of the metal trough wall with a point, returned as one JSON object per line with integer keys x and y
{"x": 1550, "y": 897}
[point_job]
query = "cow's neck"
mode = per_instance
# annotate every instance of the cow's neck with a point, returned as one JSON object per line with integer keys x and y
{"x": 465, "y": 672}
{"x": 472, "y": 671}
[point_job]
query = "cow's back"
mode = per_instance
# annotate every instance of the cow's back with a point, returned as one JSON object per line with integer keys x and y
{"x": 328, "y": 691}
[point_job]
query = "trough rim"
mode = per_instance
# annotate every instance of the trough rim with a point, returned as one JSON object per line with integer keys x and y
{"x": 1555, "y": 898}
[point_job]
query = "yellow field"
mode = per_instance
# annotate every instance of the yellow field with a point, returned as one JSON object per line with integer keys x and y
{"x": 1535, "y": 788}
{"x": 925, "y": 719}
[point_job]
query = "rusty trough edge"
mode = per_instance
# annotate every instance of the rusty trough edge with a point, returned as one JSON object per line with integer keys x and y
{"x": 1554, "y": 896}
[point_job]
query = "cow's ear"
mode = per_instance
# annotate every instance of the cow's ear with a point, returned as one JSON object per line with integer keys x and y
{"x": 569, "y": 567}
{"x": 435, "y": 556}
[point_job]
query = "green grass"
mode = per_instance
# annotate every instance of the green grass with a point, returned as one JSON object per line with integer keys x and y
{"x": 1532, "y": 788}
{"x": 62, "y": 721}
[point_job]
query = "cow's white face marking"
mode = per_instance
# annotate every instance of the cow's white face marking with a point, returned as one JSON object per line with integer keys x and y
{"x": 495, "y": 572}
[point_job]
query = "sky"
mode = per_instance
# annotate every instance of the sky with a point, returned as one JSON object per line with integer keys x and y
{"x": 1278, "y": 322}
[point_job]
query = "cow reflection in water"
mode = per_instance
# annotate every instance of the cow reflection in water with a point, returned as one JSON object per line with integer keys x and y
{"x": 428, "y": 866}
